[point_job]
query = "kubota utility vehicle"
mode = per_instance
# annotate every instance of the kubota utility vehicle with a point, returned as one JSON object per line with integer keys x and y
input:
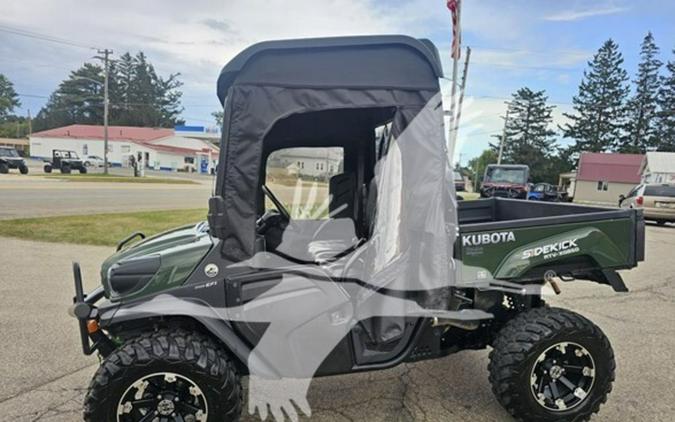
{"x": 387, "y": 268}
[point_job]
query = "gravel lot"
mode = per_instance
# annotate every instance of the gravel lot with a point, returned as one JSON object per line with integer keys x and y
{"x": 45, "y": 375}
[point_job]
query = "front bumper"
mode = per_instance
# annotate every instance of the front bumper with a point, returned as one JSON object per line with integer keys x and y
{"x": 86, "y": 313}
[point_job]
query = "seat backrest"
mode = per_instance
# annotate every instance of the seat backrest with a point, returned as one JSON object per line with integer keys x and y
{"x": 341, "y": 188}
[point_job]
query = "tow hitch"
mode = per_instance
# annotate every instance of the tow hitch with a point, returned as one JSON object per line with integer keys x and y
{"x": 87, "y": 317}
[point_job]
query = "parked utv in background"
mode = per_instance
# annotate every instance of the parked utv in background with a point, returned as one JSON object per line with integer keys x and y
{"x": 164, "y": 363}
{"x": 65, "y": 161}
{"x": 546, "y": 192}
{"x": 10, "y": 159}
{"x": 505, "y": 181}
{"x": 460, "y": 183}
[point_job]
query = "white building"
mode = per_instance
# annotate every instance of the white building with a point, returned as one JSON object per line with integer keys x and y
{"x": 160, "y": 148}
{"x": 658, "y": 167}
{"x": 308, "y": 162}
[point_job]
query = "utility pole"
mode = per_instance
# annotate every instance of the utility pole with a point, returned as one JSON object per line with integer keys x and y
{"x": 503, "y": 139}
{"x": 30, "y": 124}
{"x": 106, "y": 53}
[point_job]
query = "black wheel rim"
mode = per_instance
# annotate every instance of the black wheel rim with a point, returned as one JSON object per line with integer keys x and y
{"x": 163, "y": 397}
{"x": 562, "y": 376}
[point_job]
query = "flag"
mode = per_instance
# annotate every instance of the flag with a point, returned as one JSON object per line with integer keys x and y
{"x": 453, "y": 6}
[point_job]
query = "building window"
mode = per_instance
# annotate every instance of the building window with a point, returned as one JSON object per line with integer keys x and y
{"x": 602, "y": 185}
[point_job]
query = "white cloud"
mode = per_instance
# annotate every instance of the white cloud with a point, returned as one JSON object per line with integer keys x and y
{"x": 575, "y": 15}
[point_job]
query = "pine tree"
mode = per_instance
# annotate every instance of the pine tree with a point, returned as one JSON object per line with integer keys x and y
{"x": 666, "y": 114}
{"x": 529, "y": 138}
{"x": 9, "y": 99}
{"x": 138, "y": 96}
{"x": 600, "y": 104}
{"x": 641, "y": 128}
{"x": 78, "y": 99}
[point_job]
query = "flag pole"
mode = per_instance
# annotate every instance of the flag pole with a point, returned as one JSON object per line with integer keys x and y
{"x": 462, "y": 89}
{"x": 455, "y": 7}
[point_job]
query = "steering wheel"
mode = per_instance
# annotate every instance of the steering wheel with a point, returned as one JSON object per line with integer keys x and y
{"x": 279, "y": 206}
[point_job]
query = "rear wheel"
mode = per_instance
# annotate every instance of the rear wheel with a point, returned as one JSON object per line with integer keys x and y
{"x": 165, "y": 376}
{"x": 4, "y": 168}
{"x": 83, "y": 170}
{"x": 23, "y": 169}
{"x": 48, "y": 168}
{"x": 550, "y": 364}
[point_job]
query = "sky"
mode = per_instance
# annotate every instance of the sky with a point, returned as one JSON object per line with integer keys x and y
{"x": 542, "y": 44}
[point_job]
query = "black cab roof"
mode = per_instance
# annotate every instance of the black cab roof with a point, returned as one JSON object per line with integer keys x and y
{"x": 383, "y": 61}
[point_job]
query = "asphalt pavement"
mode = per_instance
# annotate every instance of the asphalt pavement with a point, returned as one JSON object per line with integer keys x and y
{"x": 44, "y": 374}
{"x": 31, "y": 196}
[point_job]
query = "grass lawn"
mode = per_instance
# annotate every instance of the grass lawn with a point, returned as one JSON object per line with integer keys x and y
{"x": 98, "y": 229}
{"x": 109, "y": 178}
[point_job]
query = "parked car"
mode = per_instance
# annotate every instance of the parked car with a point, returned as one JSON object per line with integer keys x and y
{"x": 505, "y": 181}
{"x": 10, "y": 159}
{"x": 65, "y": 161}
{"x": 657, "y": 201}
{"x": 93, "y": 161}
{"x": 460, "y": 184}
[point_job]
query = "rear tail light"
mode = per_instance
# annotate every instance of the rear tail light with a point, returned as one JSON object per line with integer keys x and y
{"x": 639, "y": 200}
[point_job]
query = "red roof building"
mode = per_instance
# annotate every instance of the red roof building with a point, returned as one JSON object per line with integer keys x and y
{"x": 602, "y": 177}
{"x": 115, "y": 133}
{"x": 160, "y": 148}
{"x": 623, "y": 168}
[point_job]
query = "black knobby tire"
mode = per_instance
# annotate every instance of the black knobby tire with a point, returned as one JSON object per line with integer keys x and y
{"x": 65, "y": 169}
{"x": 191, "y": 355}
{"x": 83, "y": 170}
{"x": 23, "y": 169}
{"x": 47, "y": 168}
{"x": 521, "y": 342}
{"x": 4, "y": 168}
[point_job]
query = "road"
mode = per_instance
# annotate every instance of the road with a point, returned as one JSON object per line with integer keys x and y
{"x": 31, "y": 196}
{"x": 45, "y": 375}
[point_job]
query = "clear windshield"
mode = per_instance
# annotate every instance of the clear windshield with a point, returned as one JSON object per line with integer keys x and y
{"x": 506, "y": 175}
{"x": 8, "y": 152}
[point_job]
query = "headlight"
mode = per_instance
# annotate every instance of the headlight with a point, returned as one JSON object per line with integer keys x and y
{"x": 132, "y": 274}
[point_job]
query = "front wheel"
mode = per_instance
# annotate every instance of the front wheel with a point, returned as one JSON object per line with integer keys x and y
{"x": 4, "y": 168}
{"x": 83, "y": 170}
{"x": 550, "y": 364}
{"x": 23, "y": 169}
{"x": 165, "y": 375}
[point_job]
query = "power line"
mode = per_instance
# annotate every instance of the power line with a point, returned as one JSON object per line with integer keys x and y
{"x": 43, "y": 37}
